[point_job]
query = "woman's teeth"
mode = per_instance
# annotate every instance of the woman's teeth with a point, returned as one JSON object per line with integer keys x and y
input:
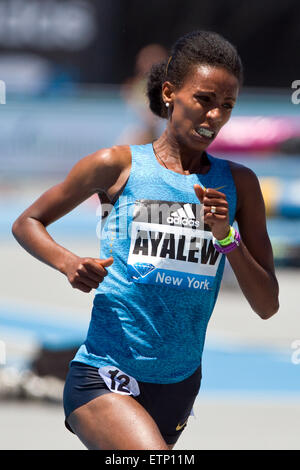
{"x": 205, "y": 132}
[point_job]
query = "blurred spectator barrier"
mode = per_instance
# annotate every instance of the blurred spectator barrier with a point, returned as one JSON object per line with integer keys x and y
{"x": 256, "y": 134}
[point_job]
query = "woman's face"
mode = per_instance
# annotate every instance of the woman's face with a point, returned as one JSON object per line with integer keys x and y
{"x": 201, "y": 107}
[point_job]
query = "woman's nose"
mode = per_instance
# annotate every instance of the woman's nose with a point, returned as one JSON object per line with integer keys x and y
{"x": 215, "y": 114}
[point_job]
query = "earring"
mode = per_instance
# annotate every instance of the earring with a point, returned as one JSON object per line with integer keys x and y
{"x": 167, "y": 104}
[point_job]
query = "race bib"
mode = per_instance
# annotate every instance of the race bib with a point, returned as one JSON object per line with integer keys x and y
{"x": 170, "y": 246}
{"x": 119, "y": 382}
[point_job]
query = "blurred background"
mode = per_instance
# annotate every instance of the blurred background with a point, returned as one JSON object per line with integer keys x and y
{"x": 72, "y": 80}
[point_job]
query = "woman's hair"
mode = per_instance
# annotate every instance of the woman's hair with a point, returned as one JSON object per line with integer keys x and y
{"x": 198, "y": 47}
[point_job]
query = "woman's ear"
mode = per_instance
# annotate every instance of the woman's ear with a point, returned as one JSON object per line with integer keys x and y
{"x": 168, "y": 93}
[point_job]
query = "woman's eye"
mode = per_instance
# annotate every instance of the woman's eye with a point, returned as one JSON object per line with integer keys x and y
{"x": 203, "y": 98}
{"x": 228, "y": 106}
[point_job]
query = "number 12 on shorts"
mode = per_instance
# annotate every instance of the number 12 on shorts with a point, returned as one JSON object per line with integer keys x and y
{"x": 119, "y": 382}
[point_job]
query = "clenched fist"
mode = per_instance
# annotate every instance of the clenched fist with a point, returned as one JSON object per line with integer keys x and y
{"x": 219, "y": 220}
{"x": 86, "y": 274}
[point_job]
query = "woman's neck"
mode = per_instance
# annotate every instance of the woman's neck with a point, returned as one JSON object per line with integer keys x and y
{"x": 179, "y": 159}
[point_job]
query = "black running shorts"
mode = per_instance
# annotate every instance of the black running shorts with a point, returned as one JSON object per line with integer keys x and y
{"x": 170, "y": 405}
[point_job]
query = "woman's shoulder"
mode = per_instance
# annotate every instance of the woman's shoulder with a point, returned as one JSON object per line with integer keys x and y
{"x": 115, "y": 156}
{"x": 103, "y": 169}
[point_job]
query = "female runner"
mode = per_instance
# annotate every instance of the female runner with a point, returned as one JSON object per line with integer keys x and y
{"x": 132, "y": 384}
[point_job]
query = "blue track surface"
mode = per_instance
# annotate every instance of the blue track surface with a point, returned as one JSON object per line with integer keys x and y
{"x": 249, "y": 370}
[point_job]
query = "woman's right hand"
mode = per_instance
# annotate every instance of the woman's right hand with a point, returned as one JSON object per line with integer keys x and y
{"x": 86, "y": 274}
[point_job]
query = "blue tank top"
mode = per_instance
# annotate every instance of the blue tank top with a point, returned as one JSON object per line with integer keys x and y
{"x": 150, "y": 313}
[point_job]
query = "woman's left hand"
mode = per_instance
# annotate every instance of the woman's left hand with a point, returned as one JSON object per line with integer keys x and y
{"x": 218, "y": 221}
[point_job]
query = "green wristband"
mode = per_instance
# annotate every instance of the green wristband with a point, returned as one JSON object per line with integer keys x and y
{"x": 229, "y": 239}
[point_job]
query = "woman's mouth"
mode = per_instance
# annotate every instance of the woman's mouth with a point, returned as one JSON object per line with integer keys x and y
{"x": 205, "y": 132}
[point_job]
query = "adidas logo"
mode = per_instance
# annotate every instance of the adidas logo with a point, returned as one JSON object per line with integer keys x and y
{"x": 184, "y": 216}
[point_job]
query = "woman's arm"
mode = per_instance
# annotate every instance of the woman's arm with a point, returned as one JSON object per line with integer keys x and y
{"x": 105, "y": 170}
{"x": 252, "y": 261}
